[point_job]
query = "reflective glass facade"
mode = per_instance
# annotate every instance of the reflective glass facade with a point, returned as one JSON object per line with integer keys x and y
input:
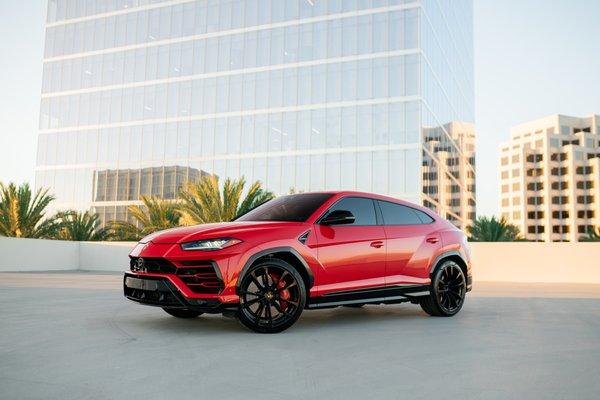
{"x": 303, "y": 94}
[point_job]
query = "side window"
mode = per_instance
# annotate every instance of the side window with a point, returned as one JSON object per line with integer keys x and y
{"x": 426, "y": 219}
{"x": 397, "y": 214}
{"x": 363, "y": 210}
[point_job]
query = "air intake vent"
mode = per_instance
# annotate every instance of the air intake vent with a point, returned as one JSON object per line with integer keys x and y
{"x": 200, "y": 276}
{"x": 304, "y": 237}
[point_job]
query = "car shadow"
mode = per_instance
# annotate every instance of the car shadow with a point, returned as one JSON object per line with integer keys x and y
{"x": 358, "y": 316}
{"x": 311, "y": 319}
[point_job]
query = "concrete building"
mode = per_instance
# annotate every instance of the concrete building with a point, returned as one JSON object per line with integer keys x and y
{"x": 550, "y": 177}
{"x": 448, "y": 174}
{"x": 132, "y": 184}
{"x": 311, "y": 95}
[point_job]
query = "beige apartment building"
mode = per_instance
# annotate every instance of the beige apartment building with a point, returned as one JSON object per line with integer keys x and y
{"x": 550, "y": 177}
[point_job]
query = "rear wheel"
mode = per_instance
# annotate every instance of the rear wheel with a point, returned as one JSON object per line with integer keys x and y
{"x": 448, "y": 289}
{"x": 272, "y": 297}
{"x": 182, "y": 313}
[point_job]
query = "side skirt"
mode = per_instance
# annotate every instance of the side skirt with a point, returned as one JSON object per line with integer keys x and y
{"x": 383, "y": 295}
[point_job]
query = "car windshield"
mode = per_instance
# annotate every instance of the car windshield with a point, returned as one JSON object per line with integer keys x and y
{"x": 294, "y": 208}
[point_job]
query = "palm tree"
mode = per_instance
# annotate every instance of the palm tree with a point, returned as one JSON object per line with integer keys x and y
{"x": 154, "y": 215}
{"x": 593, "y": 235}
{"x": 203, "y": 202}
{"x": 486, "y": 229}
{"x": 22, "y": 213}
{"x": 80, "y": 226}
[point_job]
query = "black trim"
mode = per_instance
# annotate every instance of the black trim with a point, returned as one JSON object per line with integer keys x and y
{"x": 183, "y": 272}
{"x": 304, "y": 237}
{"x": 444, "y": 255}
{"x": 160, "y": 292}
{"x": 378, "y": 213}
{"x": 282, "y": 249}
{"x": 378, "y": 295}
{"x": 450, "y": 253}
{"x": 152, "y": 264}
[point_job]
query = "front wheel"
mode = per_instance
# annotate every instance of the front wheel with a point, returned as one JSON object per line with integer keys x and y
{"x": 272, "y": 297}
{"x": 182, "y": 313}
{"x": 448, "y": 290}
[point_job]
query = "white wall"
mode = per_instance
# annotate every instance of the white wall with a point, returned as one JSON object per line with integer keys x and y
{"x": 38, "y": 255}
{"x": 498, "y": 262}
{"x": 18, "y": 254}
{"x": 536, "y": 262}
{"x": 104, "y": 256}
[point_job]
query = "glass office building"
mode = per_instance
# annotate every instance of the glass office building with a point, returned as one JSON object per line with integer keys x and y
{"x": 300, "y": 94}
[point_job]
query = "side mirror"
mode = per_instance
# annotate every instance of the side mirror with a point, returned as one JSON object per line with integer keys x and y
{"x": 338, "y": 217}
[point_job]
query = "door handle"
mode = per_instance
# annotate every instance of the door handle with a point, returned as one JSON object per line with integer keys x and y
{"x": 377, "y": 244}
{"x": 432, "y": 239}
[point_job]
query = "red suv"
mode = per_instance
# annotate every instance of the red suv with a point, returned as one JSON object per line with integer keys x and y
{"x": 304, "y": 251}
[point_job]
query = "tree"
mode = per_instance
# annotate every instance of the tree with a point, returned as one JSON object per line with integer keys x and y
{"x": 22, "y": 213}
{"x": 593, "y": 235}
{"x": 79, "y": 226}
{"x": 203, "y": 202}
{"x": 154, "y": 215}
{"x": 486, "y": 229}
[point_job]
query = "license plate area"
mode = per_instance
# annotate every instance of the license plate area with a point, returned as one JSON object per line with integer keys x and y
{"x": 141, "y": 284}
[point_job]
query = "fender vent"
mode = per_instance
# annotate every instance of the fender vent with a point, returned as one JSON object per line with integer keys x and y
{"x": 304, "y": 237}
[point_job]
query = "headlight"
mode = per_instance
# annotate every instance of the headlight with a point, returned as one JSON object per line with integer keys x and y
{"x": 210, "y": 244}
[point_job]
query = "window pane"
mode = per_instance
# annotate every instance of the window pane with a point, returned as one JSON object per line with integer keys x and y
{"x": 363, "y": 209}
{"x": 396, "y": 214}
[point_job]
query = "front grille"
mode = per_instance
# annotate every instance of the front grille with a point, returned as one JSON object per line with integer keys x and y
{"x": 152, "y": 265}
{"x": 200, "y": 276}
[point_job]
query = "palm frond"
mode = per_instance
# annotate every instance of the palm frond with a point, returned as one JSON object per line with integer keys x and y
{"x": 593, "y": 235}
{"x": 486, "y": 229}
{"x": 23, "y": 215}
{"x": 204, "y": 201}
{"x": 154, "y": 215}
{"x": 80, "y": 226}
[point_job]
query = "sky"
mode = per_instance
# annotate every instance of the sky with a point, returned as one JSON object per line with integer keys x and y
{"x": 532, "y": 58}
{"x": 21, "y": 53}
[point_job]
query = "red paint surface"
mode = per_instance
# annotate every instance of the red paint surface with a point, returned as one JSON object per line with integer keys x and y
{"x": 341, "y": 257}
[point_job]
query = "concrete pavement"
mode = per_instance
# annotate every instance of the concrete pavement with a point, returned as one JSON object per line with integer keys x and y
{"x": 78, "y": 338}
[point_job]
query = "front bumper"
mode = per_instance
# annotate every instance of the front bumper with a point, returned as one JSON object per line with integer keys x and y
{"x": 161, "y": 292}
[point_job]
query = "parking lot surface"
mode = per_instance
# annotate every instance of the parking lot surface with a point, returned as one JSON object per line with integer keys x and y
{"x": 74, "y": 336}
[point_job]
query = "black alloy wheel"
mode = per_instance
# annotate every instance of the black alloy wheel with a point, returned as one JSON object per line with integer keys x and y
{"x": 272, "y": 296}
{"x": 448, "y": 290}
{"x": 182, "y": 313}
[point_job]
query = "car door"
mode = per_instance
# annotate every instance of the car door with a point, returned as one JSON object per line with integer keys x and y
{"x": 411, "y": 242}
{"x": 352, "y": 255}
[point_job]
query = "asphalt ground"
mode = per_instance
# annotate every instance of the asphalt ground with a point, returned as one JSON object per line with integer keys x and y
{"x": 74, "y": 336}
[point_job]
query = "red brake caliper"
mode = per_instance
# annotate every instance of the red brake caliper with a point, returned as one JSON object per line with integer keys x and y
{"x": 283, "y": 294}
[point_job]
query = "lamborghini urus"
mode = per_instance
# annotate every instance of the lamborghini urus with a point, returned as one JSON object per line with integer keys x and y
{"x": 304, "y": 251}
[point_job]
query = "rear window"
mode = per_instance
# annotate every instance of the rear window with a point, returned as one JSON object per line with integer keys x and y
{"x": 397, "y": 214}
{"x": 292, "y": 208}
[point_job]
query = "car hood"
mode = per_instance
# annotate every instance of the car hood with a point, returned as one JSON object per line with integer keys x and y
{"x": 215, "y": 230}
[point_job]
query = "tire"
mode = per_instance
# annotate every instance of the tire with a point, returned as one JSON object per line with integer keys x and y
{"x": 272, "y": 297}
{"x": 182, "y": 313}
{"x": 448, "y": 290}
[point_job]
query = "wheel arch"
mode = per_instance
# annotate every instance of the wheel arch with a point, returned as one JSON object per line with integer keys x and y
{"x": 452, "y": 255}
{"x": 287, "y": 254}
